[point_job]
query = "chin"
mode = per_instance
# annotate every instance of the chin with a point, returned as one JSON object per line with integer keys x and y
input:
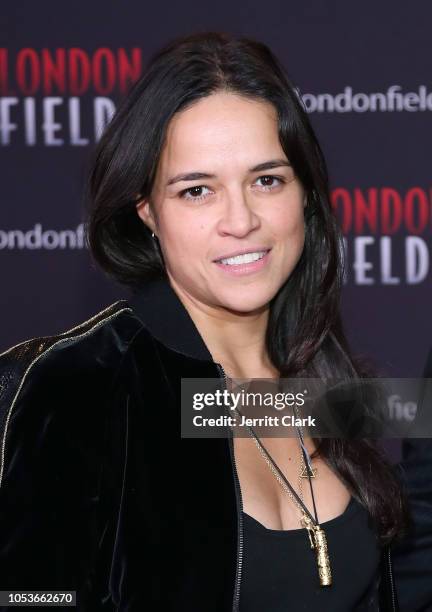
{"x": 246, "y": 301}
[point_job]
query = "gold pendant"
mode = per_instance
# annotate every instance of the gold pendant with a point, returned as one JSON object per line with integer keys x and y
{"x": 323, "y": 559}
{"x": 304, "y": 472}
{"x": 318, "y": 542}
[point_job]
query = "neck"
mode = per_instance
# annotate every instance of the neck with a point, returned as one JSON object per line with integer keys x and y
{"x": 236, "y": 340}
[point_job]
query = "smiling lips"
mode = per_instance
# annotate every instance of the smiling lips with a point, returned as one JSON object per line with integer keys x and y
{"x": 244, "y": 263}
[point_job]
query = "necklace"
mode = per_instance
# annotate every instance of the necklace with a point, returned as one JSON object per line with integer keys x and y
{"x": 317, "y": 537}
{"x": 305, "y": 471}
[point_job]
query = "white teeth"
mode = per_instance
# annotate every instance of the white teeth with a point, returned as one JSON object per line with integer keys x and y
{"x": 243, "y": 259}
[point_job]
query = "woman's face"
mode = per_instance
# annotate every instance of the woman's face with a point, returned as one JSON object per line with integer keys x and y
{"x": 223, "y": 187}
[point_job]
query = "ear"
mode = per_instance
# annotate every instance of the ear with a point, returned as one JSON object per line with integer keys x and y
{"x": 145, "y": 213}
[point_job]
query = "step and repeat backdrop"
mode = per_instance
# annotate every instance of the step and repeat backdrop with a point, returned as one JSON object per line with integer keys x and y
{"x": 364, "y": 75}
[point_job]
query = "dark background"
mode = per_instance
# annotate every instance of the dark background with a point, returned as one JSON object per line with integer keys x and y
{"x": 325, "y": 46}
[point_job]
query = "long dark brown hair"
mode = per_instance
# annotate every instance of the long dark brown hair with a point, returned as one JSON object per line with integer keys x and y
{"x": 304, "y": 335}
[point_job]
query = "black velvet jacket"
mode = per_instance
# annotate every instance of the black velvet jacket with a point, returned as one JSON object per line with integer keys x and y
{"x": 98, "y": 491}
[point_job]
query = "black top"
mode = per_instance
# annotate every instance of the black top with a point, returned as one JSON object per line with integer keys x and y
{"x": 280, "y": 571}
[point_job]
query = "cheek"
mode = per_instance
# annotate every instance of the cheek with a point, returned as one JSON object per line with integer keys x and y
{"x": 288, "y": 222}
{"x": 186, "y": 238}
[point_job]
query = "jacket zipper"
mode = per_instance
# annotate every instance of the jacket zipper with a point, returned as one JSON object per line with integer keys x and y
{"x": 236, "y": 596}
{"x": 391, "y": 579}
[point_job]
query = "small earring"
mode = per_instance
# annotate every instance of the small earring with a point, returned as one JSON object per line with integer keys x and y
{"x": 153, "y": 234}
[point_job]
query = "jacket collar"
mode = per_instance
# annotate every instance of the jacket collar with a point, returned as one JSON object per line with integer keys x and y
{"x": 162, "y": 312}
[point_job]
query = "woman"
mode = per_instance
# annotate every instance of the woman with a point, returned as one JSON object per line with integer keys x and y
{"x": 209, "y": 197}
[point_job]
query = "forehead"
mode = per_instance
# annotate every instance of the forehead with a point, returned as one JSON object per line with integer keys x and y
{"x": 218, "y": 128}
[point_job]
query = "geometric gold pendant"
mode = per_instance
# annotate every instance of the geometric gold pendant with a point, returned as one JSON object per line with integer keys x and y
{"x": 304, "y": 472}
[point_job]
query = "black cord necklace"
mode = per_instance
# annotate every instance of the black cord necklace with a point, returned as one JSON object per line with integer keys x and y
{"x": 317, "y": 537}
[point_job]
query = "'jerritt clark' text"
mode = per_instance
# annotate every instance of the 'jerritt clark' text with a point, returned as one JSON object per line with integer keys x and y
{"x": 266, "y": 421}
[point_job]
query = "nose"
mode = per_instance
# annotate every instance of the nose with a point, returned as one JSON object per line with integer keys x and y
{"x": 238, "y": 217}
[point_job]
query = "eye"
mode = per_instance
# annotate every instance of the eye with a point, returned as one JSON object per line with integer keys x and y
{"x": 194, "y": 193}
{"x": 270, "y": 178}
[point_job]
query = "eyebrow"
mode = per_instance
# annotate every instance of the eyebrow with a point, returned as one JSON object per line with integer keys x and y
{"x": 194, "y": 176}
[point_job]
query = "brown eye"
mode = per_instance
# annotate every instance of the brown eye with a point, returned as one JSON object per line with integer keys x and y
{"x": 193, "y": 193}
{"x": 269, "y": 181}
